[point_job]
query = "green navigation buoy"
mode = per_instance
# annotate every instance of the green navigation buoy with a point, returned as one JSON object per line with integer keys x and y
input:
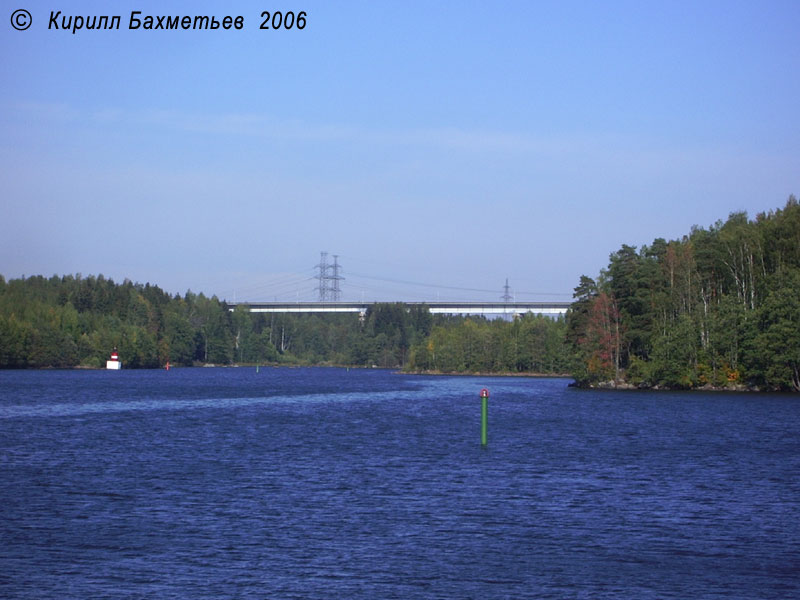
{"x": 484, "y": 417}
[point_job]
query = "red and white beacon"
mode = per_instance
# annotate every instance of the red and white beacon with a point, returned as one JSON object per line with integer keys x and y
{"x": 113, "y": 363}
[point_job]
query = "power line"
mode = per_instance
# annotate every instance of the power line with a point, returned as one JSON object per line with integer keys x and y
{"x": 328, "y": 276}
{"x": 419, "y": 284}
{"x": 450, "y": 287}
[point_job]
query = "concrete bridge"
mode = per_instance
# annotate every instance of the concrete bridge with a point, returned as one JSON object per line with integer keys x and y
{"x": 447, "y": 308}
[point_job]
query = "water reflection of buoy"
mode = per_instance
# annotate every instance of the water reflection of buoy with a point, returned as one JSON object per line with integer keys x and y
{"x": 114, "y": 363}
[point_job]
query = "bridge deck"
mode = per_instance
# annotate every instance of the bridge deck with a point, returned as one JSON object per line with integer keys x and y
{"x": 472, "y": 308}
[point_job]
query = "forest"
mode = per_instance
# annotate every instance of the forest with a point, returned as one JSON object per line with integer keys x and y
{"x": 718, "y": 308}
{"x": 75, "y": 321}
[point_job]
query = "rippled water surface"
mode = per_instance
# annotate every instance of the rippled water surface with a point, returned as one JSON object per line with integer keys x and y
{"x": 328, "y": 483}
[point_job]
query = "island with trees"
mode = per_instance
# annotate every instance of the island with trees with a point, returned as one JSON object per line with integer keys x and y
{"x": 719, "y": 308}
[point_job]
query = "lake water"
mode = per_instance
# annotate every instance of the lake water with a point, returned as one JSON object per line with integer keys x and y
{"x": 329, "y": 483}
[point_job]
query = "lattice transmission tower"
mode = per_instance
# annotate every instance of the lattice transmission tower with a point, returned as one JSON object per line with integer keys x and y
{"x": 507, "y": 297}
{"x": 336, "y": 291}
{"x": 329, "y": 278}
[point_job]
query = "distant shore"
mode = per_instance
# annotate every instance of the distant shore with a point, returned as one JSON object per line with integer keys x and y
{"x": 488, "y": 374}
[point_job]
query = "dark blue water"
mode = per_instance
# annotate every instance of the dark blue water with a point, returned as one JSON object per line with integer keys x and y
{"x": 327, "y": 483}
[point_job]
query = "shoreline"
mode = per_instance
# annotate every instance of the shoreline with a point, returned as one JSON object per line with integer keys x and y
{"x": 623, "y": 386}
{"x": 596, "y": 386}
{"x": 487, "y": 374}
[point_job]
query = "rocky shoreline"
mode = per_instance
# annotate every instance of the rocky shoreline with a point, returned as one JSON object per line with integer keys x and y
{"x": 624, "y": 385}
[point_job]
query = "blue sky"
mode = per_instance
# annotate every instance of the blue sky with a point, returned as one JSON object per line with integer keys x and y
{"x": 436, "y": 147}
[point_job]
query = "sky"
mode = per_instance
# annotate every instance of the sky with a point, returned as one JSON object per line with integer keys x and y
{"x": 436, "y": 148}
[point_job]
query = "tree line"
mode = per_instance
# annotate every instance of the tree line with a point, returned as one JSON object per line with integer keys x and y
{"x": 719, "y": 307}
{"x": 525, "y": 344}
{"x": 76, "y": 321}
